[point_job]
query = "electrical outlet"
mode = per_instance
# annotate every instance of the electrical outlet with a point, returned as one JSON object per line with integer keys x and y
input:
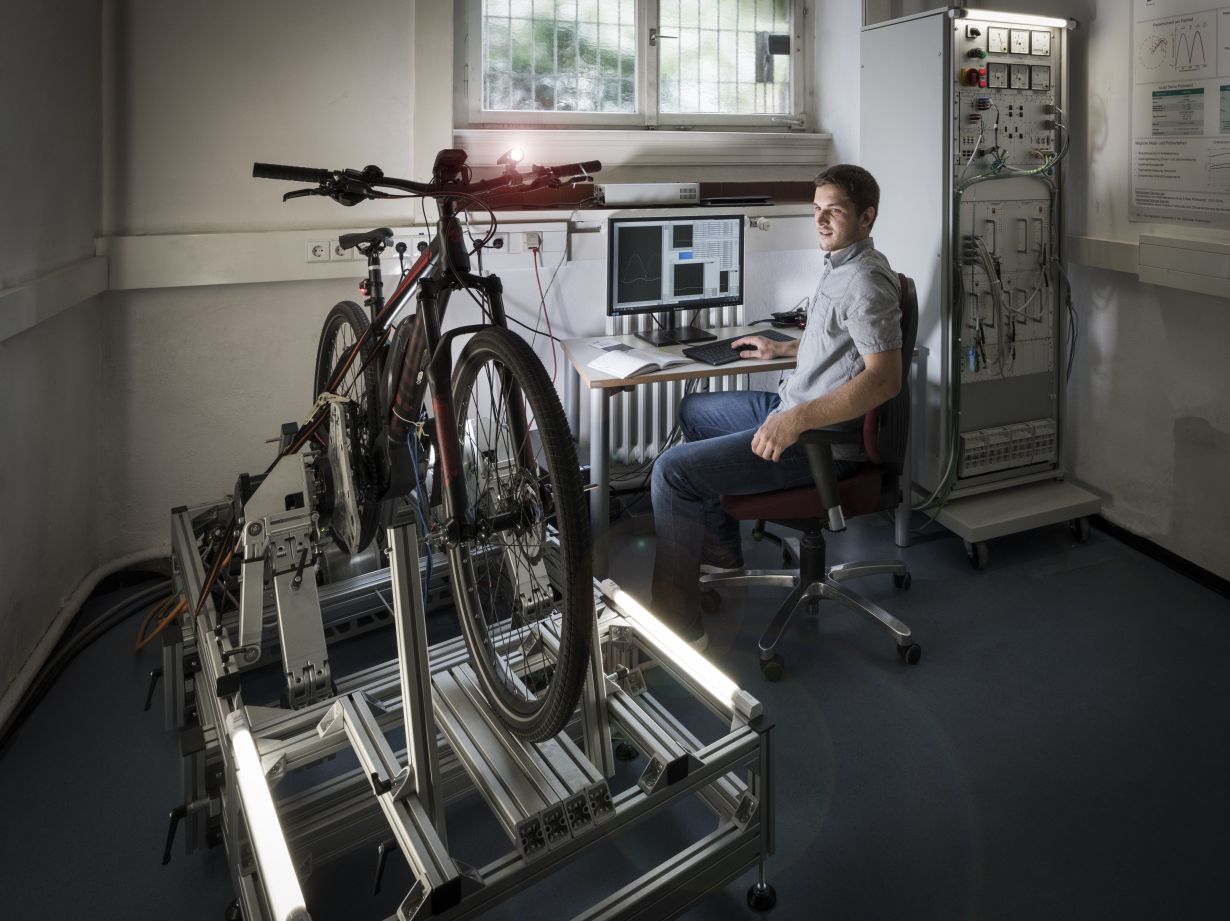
{"x": 337, "y": 254}
{"x": 531, "y": 239}
{"x": 318, "y": 251}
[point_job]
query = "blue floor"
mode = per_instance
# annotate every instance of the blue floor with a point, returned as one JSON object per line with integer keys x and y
{"x": 1060, "y": 752}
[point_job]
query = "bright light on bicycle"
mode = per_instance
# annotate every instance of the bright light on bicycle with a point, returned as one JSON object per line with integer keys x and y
{"x": 511, "y": 157}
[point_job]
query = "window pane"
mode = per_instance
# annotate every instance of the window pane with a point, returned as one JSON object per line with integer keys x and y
{"x": 728, "y": 56}
{"x": 559, "y": 55}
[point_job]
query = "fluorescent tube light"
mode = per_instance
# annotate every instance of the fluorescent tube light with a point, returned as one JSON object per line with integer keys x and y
{"x": 697, "y": 667}
{"x": 1024, "y": 19}
{"x": 269, "y": 844}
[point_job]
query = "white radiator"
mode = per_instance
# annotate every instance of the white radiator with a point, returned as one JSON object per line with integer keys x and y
{"x": 642, "y": 419}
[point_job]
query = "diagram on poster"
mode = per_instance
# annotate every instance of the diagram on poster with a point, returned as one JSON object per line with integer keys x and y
{"x": 1181, "y": 112}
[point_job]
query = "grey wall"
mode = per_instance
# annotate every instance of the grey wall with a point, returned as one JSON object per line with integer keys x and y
{"x": 51, "y": 415}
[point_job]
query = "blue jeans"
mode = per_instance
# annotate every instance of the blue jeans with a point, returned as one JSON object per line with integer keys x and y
{"x": 715, "y": 460}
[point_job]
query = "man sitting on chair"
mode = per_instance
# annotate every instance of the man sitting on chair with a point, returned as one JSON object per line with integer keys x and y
{"x": 848, "y": 362}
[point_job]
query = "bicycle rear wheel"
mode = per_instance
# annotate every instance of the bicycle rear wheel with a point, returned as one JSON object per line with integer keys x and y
{"x": 354, "y": 510}
{"x": 525, "y": 577}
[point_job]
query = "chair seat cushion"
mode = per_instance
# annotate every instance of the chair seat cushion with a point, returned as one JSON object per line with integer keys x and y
{"x": 860, "y": 495}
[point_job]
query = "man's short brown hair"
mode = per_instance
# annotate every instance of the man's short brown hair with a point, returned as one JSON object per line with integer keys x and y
{"x": 856, "y": 182}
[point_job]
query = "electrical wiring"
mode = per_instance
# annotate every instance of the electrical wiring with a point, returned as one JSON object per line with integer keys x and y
{"x": 164, "y": 613}
{"x": 412, "y": 447}
{"x": 73, "y": 644}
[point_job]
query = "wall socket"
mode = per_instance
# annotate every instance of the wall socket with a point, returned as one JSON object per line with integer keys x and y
{"x": 531, "y": 239}
{"x": 319, "y": 250}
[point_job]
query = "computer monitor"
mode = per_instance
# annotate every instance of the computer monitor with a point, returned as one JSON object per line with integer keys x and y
{"x": 672, "y": 264}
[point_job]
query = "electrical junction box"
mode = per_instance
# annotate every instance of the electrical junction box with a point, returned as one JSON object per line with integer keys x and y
{"x": 649, "y": 193}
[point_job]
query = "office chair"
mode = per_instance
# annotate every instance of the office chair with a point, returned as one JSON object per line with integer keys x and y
{"x": 827, "y": 503}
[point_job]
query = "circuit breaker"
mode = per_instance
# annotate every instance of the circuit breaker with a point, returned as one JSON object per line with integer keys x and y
{"x": 969, "y": 154}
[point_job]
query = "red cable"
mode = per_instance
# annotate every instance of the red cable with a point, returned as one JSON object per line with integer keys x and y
{"x": 542, "y": 299}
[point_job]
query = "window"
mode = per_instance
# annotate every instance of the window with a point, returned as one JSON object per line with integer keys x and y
{"x": 629, "y": 63}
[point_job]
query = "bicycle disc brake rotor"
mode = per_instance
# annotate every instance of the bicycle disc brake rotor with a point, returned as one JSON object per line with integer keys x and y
{"x": 348, "y": 476}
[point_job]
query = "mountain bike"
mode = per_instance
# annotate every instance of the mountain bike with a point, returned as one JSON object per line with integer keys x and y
{"x": 395, "y": 416}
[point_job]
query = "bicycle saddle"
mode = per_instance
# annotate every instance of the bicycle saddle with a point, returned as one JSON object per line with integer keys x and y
{"x": 379, "y": 235}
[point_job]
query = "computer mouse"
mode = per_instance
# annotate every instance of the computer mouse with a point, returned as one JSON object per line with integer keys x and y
{"x": 744, "y": 346}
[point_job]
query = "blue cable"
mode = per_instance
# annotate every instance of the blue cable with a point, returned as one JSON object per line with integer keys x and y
{"x": 418, "y": 511}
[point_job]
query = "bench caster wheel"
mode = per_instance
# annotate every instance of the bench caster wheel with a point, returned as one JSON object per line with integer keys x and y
{"x": 903, "y": 582}
{"x": 1080, "y": 528}
{"x": 773, "y": 668}
{"x": 978, "y": 554}
{"x": 761, "y": 897}
{"x": 909, "y": 654}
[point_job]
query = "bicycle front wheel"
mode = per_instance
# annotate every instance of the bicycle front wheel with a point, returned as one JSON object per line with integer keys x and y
{"x": 523, "y": 580}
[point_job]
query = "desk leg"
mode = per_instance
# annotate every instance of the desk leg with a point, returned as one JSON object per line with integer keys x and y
{"x": 599, "y": 477}
{"x": 572, "y": 400}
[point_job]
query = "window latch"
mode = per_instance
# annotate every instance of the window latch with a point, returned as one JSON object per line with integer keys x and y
{"x": 654, "y": 35}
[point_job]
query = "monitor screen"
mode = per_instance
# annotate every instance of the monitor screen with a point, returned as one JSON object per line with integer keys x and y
{"x": 666, "y": 263}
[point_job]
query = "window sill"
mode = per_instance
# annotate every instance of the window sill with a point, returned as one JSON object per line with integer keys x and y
{"x": 713, "y": 155}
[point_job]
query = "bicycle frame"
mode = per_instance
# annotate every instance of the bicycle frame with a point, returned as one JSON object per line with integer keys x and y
{"x": 423, "y": 358}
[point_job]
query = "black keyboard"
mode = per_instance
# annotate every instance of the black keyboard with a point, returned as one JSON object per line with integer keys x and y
{"x": 720, "y": 352}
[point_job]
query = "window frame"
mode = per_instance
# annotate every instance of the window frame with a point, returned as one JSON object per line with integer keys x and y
{"x": 470, "y": 113}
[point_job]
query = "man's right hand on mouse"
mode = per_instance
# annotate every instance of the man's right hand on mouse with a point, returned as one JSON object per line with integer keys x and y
{"x": 758, "y": 347}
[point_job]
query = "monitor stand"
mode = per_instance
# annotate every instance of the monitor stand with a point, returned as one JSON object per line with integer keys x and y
{"x": 671, "y": 334}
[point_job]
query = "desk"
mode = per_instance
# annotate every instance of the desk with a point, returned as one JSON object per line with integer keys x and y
{"x": 580, "y": 353}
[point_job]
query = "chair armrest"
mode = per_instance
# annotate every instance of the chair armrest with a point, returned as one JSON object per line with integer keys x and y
{"x": 818, "y": 443}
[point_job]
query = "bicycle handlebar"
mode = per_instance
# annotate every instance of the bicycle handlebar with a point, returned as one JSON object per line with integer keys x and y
{"x": 289, "y": 173}
{"x": 348, "y": 187}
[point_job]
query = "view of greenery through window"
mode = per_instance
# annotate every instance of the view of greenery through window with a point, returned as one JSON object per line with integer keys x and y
{"x": 716, "y": 56}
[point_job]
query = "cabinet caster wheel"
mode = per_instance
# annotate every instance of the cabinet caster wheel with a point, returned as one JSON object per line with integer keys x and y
{"x": 761, "y": 897}
{"x": 977, "y": 554}
{"x": 903, "y": 582}
{"x": 773, "y": 668}
{"x": 1080, "y": 528}
{"x": 710, "y": 601}
{"x": 909, "y": 654}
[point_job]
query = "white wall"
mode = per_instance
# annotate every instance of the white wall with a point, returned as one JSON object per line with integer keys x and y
{"x": 51, "y": 416}
{"x": 1149, "y": 422}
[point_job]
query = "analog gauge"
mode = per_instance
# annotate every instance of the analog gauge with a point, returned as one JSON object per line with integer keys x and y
{"x": 1039, "y": 42}
{"x": 997, "y": 40}
{"x": 1019, "y": 41}
{"x": 997, "y": 76}
{"x": 1040, "y": 77}
{"x": 1019, "y": 77}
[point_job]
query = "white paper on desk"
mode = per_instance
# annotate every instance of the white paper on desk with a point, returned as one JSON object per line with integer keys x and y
{"x": 611, "y": 345}
{"x": 631, "y": 362}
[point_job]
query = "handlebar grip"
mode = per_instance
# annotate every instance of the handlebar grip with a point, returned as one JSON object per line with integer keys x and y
{"x": 577, "y": 169}
{"x": 289, "y": 173}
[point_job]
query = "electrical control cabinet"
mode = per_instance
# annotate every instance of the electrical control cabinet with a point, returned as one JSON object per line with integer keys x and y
{"x": 969, "y": 158}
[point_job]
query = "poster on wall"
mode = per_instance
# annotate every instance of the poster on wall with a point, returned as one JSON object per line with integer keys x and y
{"x": 1181, "y": 112}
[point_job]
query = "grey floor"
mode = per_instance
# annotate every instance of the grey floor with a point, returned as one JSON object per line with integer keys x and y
{"x": 1060, "y": 752}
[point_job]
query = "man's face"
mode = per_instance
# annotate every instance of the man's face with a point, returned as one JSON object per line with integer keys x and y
{"x": 837, "y": 224}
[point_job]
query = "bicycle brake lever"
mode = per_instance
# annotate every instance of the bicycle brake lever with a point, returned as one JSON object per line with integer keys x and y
{"x": 299, "y": 193}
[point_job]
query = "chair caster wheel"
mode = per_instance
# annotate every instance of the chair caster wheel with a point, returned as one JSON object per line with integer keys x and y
{"x": 903, "y": 582}
{"x": 978, "y": 554}
{"x": 773, "y": 668}
{"x": 761, "y": 897}
{"x": 710, "y": 601}
{"x": 909, "y": 654}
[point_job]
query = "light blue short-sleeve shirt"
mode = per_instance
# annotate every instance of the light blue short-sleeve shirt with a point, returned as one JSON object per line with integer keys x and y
{"x": 856, "y": 312}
